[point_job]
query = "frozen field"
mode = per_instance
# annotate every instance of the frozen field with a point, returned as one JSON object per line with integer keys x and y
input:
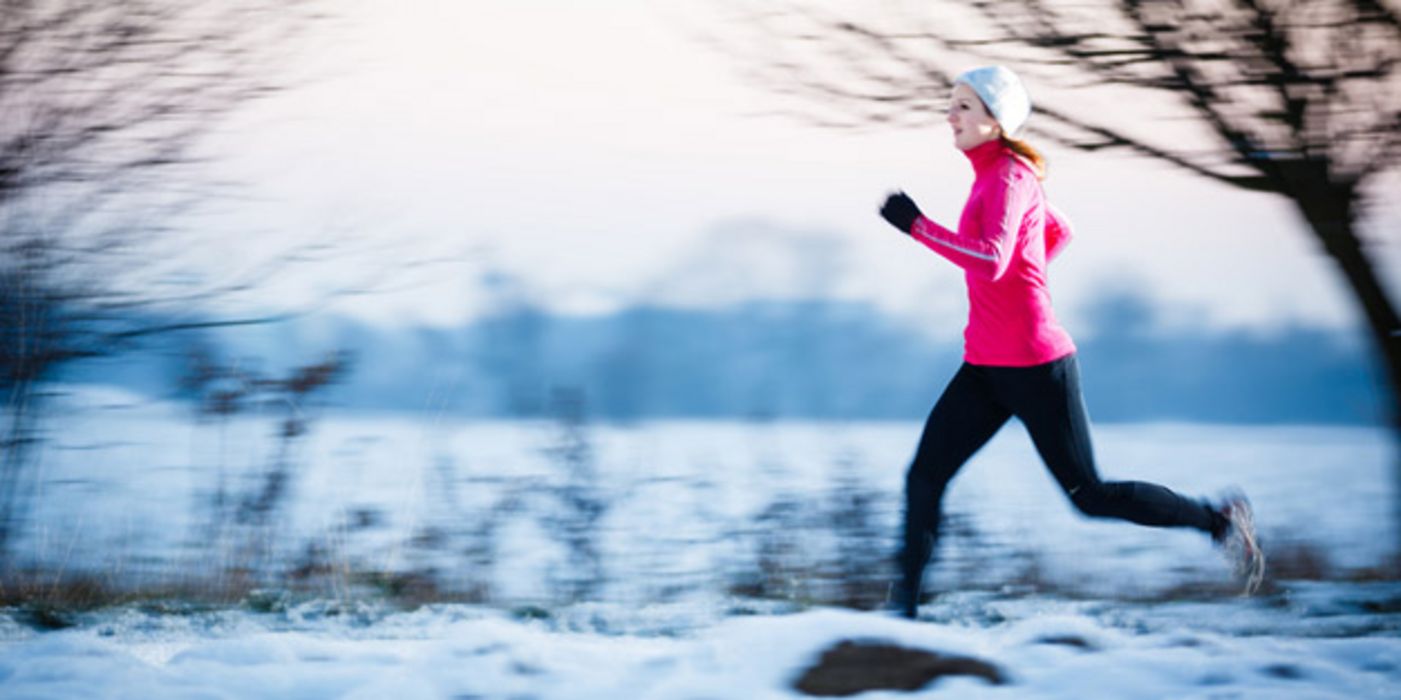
{"x": 715, "y": 550}
{"x": 676, "y": 508}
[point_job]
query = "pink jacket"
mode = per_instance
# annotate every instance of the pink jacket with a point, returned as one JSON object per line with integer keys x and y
{"x": 1006, "y": 236}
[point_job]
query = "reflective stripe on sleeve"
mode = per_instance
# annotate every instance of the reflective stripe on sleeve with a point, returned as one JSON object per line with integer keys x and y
{"x": 965, "y": 251}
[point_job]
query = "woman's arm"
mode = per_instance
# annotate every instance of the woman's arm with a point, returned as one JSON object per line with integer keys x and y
{"x": 1059, "y": 232}
{"x": 984, "y": 243}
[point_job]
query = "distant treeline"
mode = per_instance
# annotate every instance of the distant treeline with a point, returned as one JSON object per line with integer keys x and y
{"x": 762, "y": 360}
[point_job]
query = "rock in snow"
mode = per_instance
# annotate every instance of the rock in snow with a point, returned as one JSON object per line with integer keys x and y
{"x": 853, "y": 667}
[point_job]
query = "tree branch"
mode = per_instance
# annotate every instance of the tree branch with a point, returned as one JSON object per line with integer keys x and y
{"x": 1115, "y": 139}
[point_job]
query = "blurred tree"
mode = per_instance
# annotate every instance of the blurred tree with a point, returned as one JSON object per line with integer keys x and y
{"x": 105, "y": 108}
{"x": 1303, "y": 98}
{"x": 581, "y": 503}
{"x": 239, "y": 532}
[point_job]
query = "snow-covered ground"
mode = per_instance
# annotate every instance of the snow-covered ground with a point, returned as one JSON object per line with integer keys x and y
{"x": 1063, "y": 606}
{"x": 1303, "y": 641}
{"x": 687, "y": 506}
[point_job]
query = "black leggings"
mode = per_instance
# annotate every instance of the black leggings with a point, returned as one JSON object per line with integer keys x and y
{"x": 976, "y": 404}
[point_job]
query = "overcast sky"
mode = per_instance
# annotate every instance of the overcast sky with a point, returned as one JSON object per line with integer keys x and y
{"x": 598, "y": 152}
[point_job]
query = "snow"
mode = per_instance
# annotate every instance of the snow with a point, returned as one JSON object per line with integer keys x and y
{"x": 1064, "y": 606}
{"x": 683, "y": 497}
{"x": 1048, "y": 647}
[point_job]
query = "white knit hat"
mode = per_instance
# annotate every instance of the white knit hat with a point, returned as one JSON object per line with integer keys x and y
{"x": 1003, "y": 94}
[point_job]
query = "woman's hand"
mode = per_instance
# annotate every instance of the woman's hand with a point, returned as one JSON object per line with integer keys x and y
{"x": 900, "y": 211}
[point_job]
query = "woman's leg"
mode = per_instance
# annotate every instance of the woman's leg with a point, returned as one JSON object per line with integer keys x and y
{"x": 1047, "y": 399}
{"x": 966, "y": 416}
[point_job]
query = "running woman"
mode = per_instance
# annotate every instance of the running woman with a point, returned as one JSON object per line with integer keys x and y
{"x": 1018, "y": 360}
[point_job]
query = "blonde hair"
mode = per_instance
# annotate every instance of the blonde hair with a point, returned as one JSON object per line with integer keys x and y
{"x": 1028, "y": 153}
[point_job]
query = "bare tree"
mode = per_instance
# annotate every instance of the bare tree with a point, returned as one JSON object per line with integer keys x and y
{"x": 104, "y": 109}
{"x": 1302, "y": 98}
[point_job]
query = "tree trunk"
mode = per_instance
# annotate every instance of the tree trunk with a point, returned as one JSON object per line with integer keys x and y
{"x": 1330, "y": 205}
{"x": 1384, "y": 325}
{"x": 1331, "y": 218}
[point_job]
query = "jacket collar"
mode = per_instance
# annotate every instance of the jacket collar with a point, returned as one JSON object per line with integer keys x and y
{"x": 985, "y": 155}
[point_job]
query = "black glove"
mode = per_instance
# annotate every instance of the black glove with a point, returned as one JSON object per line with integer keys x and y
{"x": 900, "y": 211}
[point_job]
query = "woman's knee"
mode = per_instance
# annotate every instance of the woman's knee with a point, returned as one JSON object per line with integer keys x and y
{"x": 1098, "y": 500}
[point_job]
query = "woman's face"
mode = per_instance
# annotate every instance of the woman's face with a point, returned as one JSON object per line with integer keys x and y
{"x": 971, "y": 122}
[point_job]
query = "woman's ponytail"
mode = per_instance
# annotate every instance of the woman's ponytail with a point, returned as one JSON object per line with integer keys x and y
{"x": 1032, "y": 156}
